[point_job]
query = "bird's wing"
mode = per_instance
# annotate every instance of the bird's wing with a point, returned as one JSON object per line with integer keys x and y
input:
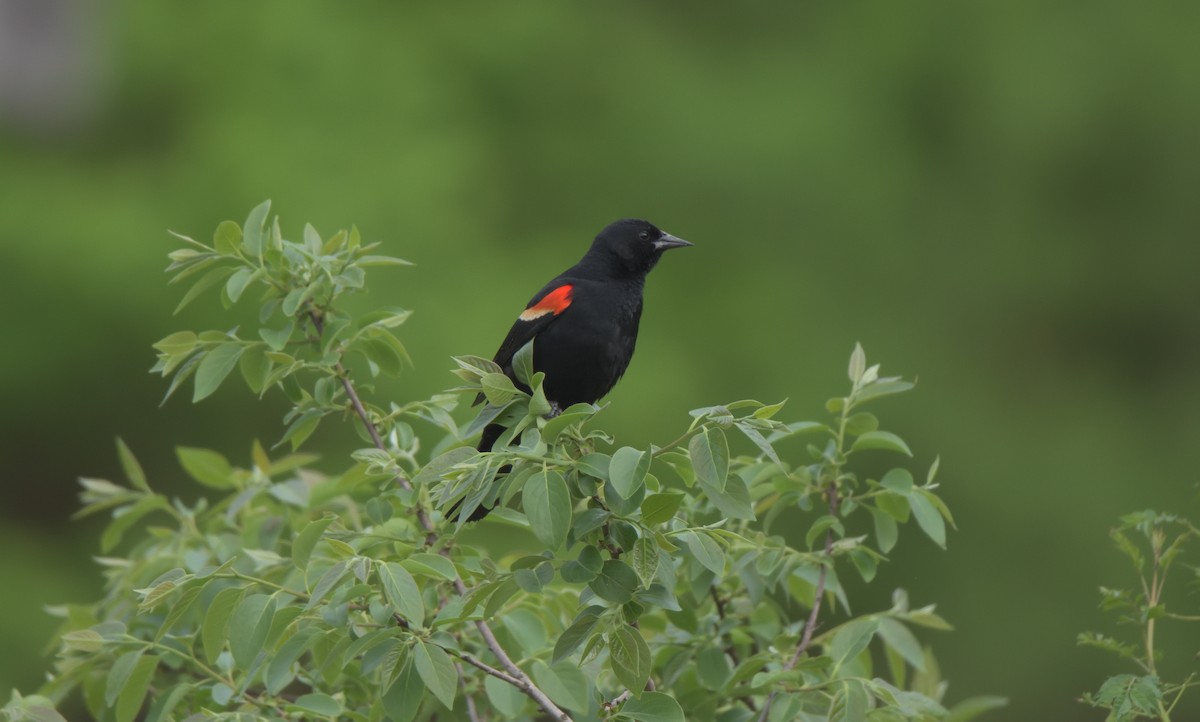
{"x": 541, "y": 310}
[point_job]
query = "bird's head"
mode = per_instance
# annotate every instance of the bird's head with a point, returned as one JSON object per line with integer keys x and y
{"x": 631, "y": 247}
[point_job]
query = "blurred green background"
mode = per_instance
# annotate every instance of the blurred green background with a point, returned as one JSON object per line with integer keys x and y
{"x": 998, "y": 199}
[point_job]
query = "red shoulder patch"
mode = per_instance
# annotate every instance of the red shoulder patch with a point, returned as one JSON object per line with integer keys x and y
{"x": 554, "y": 302}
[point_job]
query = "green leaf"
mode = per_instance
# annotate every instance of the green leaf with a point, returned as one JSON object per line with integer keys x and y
{"x": 886, "y": 531}
{"x": 119, "y": 675}
{"x": 616, "y": 582}
{"x": 277, "y": 339}
{"x": 431, "y": 565}
{"x": 653, "y": 707}
{"x": 858, "y": 363}
{"x": 133, "y": 470}
{"x": 227, "y": 237}
{"x": 214, "y": 367}
{"x": 402, "y": 700}
{"x": 574, "y": 635}
{"x": 885, "y": 440}
{"x": 237, "y": 283}
{"x": 330, "y": 579}
{"x": 709, "y": 452}
{"x": 248, "y": 627}
{"x": 973, "y": 707}
{"x": 898, "y": 637}
{"x": 320, "y": 704}
{"x": 881, "y": 388}
{"x": 125, "y": 517}
{"x": 547, "y": 502}
{"x": 207, "y": 467}
{"x": 498, "y": 388}
{"x": 507, "y": 699}
{"x": 255, "y": 367}
{"x": 660, "y": 508}
{"x": 898, "y": 480}
{"x": 583, "y": 569}
{"x": 216, "y": 622}
{"x": 704, "y": 550}
{"x": 564, "y": 683}
{"x": 166, "y": 703}
{"x": 522, "y": 364}
{"x": 181, "y": 342}
{"x": 644, "y": 557}
{"x": 207, "y": 281}
{"x": 134, "y": 691}
{"x": 629, "y": 658}
{"x": 851, "y": 639}
{"x": 307, "y": 539}
{"x": 252, "y": 235}
{"x": 437, "y": 671}
{"x": 402, "y": 592}
{"x": 279, "y": 672}
{"x": 627, "y": 470}
{"x": 713, "y": 667}
{"x": 928, "y": 517}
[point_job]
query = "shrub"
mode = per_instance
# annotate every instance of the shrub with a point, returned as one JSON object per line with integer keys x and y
{"x": 651, "y": 584}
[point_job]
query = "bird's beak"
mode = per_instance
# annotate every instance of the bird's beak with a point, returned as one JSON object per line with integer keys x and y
{"x": 668, "y": 241}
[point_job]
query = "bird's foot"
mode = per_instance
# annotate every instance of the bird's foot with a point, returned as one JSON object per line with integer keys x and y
{"x": 555, "y": 410}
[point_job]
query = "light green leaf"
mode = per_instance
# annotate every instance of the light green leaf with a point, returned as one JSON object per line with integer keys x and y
{"x": 214, "y": 367}
{"x": 574, "y": 635}
{"x": 629, "y": 658}
{"x": 616, "y": 582}
{"x": 659, "y": 508}
{"x": 851, "y": 639}
{"x": 129, "y": 701}
{"x": 207, "y": 467}
{"x": 704, "y": 550}
{"x": 858, "y": 363}
{"x": 653, "y": 707}
{"x": 321, "y": 704}
{"x": 709, "y": 452}
{"x": 248, "y": 627}
{"x": 308, "y": 537}
{"x": 885, "y": 440}
{"x": 898, "y": 637}
{"x": 227, "y": 237}
{"x": 402, "y": 592}
{"x": 133, "y": 470}
{"x": 522, "y": 364}
{"x": 431, "y": 565}
{"x": 547, "y": 502}
{"x": 627, "y": 470}
{"x": 564, "y": 683}
{"x": 498, "y": 388}
{"x": 644, "y": 557}
{"x": 252, "y": 235}
{"x": 237, "y": 283}
{"x": 507, "y": 699}
{"x": 437, "y": 671}
{"x": 216, "y": 622}
{"x": 973, "y": 707}
{"x": 119, "y": 675}
{"x": 928, "y": 516}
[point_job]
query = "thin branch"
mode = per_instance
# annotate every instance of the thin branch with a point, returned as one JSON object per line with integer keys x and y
{"x": 811, "y": 623}
{"x": 616, "y": 701}
{"x": 487, "y": 668}
{"x": 515, "y": 676}
{"x": 729, "y": 650}
{"x": 361, "y": 410}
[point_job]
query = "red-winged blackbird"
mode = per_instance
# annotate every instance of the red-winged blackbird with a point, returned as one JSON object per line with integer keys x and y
{"x": 585, "y": 321}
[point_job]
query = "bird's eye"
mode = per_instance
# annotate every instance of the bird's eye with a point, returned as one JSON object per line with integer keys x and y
{"x": 644, "y": 235}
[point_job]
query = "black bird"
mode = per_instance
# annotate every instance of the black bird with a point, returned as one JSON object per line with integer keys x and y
{"x": 585, "y": 321}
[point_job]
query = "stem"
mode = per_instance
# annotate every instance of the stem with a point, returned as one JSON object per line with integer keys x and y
{"x": 516, "y": 676}
{"x": 832, "y": 498}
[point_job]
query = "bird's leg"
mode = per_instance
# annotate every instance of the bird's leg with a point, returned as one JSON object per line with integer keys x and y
{"x": 555, "y": 410}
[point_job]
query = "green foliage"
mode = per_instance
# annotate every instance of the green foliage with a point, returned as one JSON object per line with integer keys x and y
{"x": 694, "y": 580}
{"x": 1153, "y": 543}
